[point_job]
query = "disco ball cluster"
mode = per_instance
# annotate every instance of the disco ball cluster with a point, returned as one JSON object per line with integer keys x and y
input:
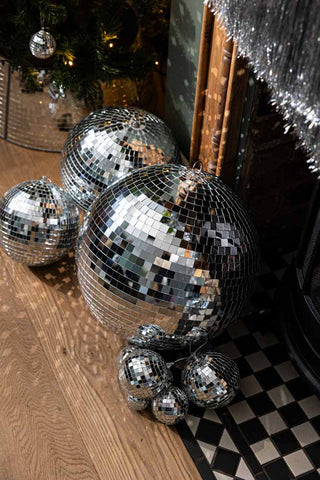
{"x": 38, "y": 222}
{"x": 281, "y": 41}
{"x": 209, "y": 380}
{"x": 110, "y": 143}
{"x": 42, "y": 44}
{"x": 170, "y": 244}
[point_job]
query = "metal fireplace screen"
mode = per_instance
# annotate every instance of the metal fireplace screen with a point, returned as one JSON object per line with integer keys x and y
{"x": 38, "y": 120}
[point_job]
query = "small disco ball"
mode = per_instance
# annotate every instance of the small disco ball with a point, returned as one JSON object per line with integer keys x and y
{"x": 38, "y": 222}
{"x": 170, "y": 406}
{"x": 169, "y": 244}
{"x": 143, "y": 374}
{"x": 124, "y": 352}
{"x": 211, "y": 379}
{"x": 42, "y": 44}
{"x": 109, "y": 143}
{"x": 137, "y": 404}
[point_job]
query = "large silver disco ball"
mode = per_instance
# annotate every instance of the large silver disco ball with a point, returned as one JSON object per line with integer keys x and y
{"x": 42, "y": 44}
{"x": 169, "y": 246}
{"x": 109, "y": 143}
{"x": 38, "y": 222}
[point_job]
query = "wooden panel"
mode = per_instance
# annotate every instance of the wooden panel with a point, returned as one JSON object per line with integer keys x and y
{"x": 220, "y": 97}
{"x": 217, "y": 85}
{"x": 202, "y": 77}
{"x": 82, "y": 355}
{"x": 39, "y": 438}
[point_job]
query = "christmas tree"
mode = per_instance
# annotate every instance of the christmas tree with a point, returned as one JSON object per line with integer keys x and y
{"x": 97, "y": 40}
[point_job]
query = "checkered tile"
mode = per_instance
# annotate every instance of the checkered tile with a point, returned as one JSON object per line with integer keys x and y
{"x": 271, "y": 431}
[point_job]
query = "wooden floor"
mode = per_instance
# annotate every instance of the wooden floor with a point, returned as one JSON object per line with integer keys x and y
{"x": 62, "y": 415}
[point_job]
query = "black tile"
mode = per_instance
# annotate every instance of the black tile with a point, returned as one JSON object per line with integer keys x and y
{"x": 223, "y": 337}
{"x": 209, "y": 432}
{"x": 247, "y": 344}
{"x": 260, "y": 476}
{"x": 299, "y": 388}
{"x": 261, "y": 403}
{"x": 239, "y": 397}
{"x": 309, "y": 476}
{"x": 195, "y": 451}
{"x": 285, "y": 442}
{"x": 195, "y": 410}
{"x": 278, "y": 470}
{"x": 276, "y": 353}
{"x": 253, "y": 430}
{"x": 313, "y": 452}
{"x": 226, "y": 461}
{"x": 292, "y": 414}
{"x": 315, "y": 422}
{"x": 244, "y": 367}
{"x": 269, "y": 378}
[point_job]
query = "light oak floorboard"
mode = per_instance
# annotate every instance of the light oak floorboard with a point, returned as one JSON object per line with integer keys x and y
{"x": 82, "y": 356}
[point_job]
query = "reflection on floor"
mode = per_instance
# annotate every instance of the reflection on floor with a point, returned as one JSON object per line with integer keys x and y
{"x": 271, "y": 431}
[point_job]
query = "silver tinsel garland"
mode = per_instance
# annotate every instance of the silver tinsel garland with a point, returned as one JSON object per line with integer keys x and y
{"x": 281, "y": 38}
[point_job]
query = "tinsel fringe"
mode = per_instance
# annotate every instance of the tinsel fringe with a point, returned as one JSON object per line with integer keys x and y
{"x": 281, "y": 39}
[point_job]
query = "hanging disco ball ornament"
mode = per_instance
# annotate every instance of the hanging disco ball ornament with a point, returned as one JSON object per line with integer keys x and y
{"x": 42, "y": 44}
{"x": 170, "y": 406}
{"x": 168, "y": 244}
{"x": 109, "y": 143}
{"x": 38, "y": 222}
{"x": 143, "y": 373}
{"x": 211, "y": 379}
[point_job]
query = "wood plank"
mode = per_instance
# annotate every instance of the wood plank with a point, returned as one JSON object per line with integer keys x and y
{"x": 82, "y": 354}
{"x": 38, "y": 436}
{"x": 202, "y": 78}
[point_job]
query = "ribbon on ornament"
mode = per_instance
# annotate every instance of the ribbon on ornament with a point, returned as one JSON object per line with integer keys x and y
{"x": 281, "y": 39}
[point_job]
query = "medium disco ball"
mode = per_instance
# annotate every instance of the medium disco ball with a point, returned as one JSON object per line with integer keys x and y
{"x": 170, "y": 246}
{"x": 143, "y": 373}
{"x": 211, "y": 379}
{"x": 170, "y": 406}
{"x": 109, "y": 143}
{"x": 42, "y": 44}
{"x": 38, "y": 222}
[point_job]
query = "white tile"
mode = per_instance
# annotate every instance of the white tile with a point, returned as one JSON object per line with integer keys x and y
{"x": 193, "y": 423}
{"x": 265, "y": 451}
{"x": 287, "y": 371}
{"x": 265, "y": 339}
{"x": 227, "y": 442}
{"x": 250, "y": 386}
{"x": 305, "y": 434}
{"x": 280, "y": 396}
{"x": 229, "y": 349}
{"x": 258, "y": 361}
{"x": 243, "y": 471}
{"x": 208, "y": 450}
{"x": 298, "y": 462}
{"x": 210, "y": 414}
{"x": 238, "y": 330}
{"x": 311, "y": 406}
{"x": 222, "y": 476}
{"x": 272, "y": 422}
{"x": 241, "y": 411}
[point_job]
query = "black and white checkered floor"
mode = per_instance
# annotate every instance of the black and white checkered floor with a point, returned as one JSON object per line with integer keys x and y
{"x": 271, "y": 431}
